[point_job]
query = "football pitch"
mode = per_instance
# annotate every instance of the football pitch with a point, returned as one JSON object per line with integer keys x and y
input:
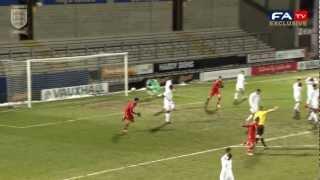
{"x": 79, "y": 139}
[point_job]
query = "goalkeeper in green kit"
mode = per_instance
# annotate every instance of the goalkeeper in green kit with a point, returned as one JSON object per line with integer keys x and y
{"x": 153, "y": 87}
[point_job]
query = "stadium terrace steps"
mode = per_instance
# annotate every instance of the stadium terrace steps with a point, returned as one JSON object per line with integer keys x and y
{"x": 115, "y": 40}
{"x": 144, "y": 47}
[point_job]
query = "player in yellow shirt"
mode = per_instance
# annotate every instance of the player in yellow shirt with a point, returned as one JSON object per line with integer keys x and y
{"x": 261, "y": 115}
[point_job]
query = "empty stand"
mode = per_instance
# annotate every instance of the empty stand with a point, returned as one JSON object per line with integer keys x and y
{"x": 146, "y": 47}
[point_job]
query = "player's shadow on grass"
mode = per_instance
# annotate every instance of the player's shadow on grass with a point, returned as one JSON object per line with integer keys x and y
{"x": 314, "y": 128}
{"x": 179, "y": 109}
{"x": 158, "y": 128}
{"x": 239, "y": 102}
{"x": 189, "y": 108}
{"x": 208, "y": 111}
{"x": 162, "y": 111}
{"x": 158, "y": 113}
{"x": 115, "y": 138}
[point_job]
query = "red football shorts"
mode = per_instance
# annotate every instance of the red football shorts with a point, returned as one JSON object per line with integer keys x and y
{"x": 251, "y": 143}
{"x": 128, "y": 117}
{"x": 215, "y": 92}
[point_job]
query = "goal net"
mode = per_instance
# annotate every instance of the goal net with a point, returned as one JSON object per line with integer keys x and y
{"x": 74, "y": 77}
{"x": 50, "y": 79}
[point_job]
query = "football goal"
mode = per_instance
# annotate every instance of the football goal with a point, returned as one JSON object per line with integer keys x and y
{"x": 62, "y": 78}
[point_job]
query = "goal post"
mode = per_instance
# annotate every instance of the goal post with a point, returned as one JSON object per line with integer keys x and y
{"x": 74, "y": 77}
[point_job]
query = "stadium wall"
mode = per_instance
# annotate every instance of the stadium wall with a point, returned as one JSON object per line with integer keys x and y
{"x": 200, "y": 14}
{"x": 88, "y": 20}
{"x": 253, "y": 17}
{"x": 6, "y": 34}
{"x": 56, "y": 21}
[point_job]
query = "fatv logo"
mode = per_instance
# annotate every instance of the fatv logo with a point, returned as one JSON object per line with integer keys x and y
{"x": 281, "y": 16}
{"x": 288, "y": 18}
{"x": 301, "y": 15}
{"x": 297, "y": 15}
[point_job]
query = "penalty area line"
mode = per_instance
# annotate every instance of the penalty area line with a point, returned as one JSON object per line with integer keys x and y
{"x": 176, "y": 157}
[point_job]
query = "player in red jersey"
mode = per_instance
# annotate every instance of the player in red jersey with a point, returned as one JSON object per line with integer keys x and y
{"x": 128, "y": 114}
{"x": 215, "y": 91}
{"x": 251, "y": 136}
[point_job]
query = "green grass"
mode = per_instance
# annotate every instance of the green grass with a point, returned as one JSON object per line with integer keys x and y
{"x": 89, "y": 144}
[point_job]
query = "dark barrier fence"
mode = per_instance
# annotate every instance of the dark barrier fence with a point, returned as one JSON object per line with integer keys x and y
{"x": 8, "y": 2}
{"x": 3, "y": 89}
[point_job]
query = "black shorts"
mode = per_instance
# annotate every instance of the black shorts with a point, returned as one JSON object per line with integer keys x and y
{"x": 260, "y": 130}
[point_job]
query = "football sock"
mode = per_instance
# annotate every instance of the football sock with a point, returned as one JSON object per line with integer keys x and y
{"x": 167, "y": 116}
{"x": 250, "y": 117}
{"x": 236, "y": 95}
{"x": 310, "y": 117}
{"x": 313, "y": 116}
{"x": 296, "y": 106}
{"x": 263, "y": 143}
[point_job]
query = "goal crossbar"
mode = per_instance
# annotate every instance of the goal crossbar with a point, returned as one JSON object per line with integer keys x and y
{"x": 72, "y": 58}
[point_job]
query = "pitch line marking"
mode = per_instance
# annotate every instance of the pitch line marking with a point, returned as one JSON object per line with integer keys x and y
{"x": 9, "y": 126}
{"x": 88, "y": 117}
{"x": 176, "y": 157}
{"x": 5, "y": 111}
{"x": 66, "y": 121}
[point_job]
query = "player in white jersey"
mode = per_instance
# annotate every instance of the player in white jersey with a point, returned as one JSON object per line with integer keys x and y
{"x": 226, "y": 166}
{"x": 168, "y": 104}
{"x": 309, "y": 83}
{"x": 239, "y": 86}
{"x": 313, "y": 104}
{"x": 254, "y": 103}
{"x": 167, "y": 85}
{"x": 297, "y": 89}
